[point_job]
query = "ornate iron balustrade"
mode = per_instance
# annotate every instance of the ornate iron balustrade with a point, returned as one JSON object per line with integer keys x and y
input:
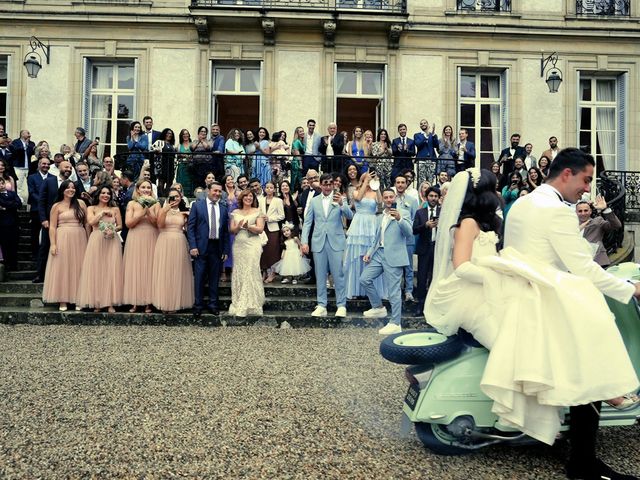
{"x": 614, "y": 192}
{"x": 603, "y": 7}
{"x": 485, "y": 5}
{"x": 393, "y": 6}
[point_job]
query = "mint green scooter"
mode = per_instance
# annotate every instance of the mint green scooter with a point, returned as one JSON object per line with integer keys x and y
{"x": 452, "y": 416}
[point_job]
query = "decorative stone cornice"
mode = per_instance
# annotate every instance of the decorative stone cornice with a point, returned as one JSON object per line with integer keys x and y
{"x": 394, "y": 35}
{"x": 202, "y": 25}
{"x": 329, "y": 27}
{"x": 269, "y": 31}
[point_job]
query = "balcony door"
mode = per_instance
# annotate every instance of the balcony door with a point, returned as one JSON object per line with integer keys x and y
{"x": 359, "y": 98}
{"x": 236, "y": 97}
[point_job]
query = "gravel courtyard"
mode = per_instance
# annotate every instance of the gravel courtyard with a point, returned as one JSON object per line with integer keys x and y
{"x": 189, "y": 402}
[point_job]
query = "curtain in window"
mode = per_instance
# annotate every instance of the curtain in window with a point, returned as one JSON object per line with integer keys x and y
{"x": 606, "y": 124}
{"x": 494, "y": 92}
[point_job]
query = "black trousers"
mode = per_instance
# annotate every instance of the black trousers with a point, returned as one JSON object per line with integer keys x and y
{"x": 425, "y": 274}
{"x": 9, "y": 245}
{"x": 43, "y": 253}
{"x": 583, "y": 430}
{"x": 207, "y": 266}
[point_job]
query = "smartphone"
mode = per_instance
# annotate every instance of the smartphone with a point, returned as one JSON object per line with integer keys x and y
{"x": 172, "y": 198}
{"x": 394, "y": 205}
{"x": 97, "y": 139}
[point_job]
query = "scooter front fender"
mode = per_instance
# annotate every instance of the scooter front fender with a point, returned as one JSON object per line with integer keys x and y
{"x": 453, "y": 390}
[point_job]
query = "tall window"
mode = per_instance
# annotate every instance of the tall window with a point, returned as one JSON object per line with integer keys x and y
{"x": 601, "y": 118}
{"x": 109, "y": 103}
{"x": 236, "y": 96}
{"x": 359, "y": 98}
{"x": 4, "y": 94}
{"x": 482, "y": 111}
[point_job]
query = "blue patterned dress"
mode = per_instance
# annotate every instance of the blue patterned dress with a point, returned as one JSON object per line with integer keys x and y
{"x": 360, "y": 237}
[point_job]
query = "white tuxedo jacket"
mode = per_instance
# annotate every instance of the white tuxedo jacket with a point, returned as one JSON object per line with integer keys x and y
{"x": 541, "y": 226}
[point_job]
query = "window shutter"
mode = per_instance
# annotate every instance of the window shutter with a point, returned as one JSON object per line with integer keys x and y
{"x": 504, "y": 98}
{"x": 86, "y": 93}
{"x": 621, "y": 99}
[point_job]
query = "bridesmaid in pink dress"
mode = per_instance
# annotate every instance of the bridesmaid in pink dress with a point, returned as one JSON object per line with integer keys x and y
{"x": 172, "y": 273}
{"x": 101, "y": 280}
{"x": 68, "y": 243}
{"x": 138, "y": 251}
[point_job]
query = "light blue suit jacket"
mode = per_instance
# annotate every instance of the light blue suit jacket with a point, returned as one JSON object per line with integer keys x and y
{"x": 410, "y": 204}
{"x": 395, "y": 239}
{"x": 325, "y": 228}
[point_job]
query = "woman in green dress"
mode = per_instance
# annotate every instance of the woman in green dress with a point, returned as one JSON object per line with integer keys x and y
{"x": 297, "y": 149}
{"x": 184, "y": 173}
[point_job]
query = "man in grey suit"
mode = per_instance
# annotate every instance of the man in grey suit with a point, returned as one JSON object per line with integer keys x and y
{"x": 387, "y": 256}
{"x": 593, "y": 228}
{"x": 328, "y": 242}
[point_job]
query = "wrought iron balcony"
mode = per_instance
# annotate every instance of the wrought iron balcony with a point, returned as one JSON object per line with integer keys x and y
{"x": 617, "y": 8}
{"x": 366, "y": 6}
{"x": 485, "y": 5}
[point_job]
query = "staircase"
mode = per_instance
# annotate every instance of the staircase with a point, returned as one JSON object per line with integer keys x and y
{"x": 286, "y": 305}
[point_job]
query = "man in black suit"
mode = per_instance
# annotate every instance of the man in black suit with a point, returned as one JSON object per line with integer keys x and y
{"x": 129, "y": 187}
{"x": 404, "y": 150}
{"x": 304, "y": 201}
{"x": 47, "y": 197}
{"x": 21, "y": 151}
{"x": 509, "y": 154}
{"x": 34, "y": 182}
{"x": 332, "y": 150}
{"x": 425, "y": 225}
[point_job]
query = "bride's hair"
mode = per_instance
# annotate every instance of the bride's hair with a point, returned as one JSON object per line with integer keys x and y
{"x": 481, "y": 202}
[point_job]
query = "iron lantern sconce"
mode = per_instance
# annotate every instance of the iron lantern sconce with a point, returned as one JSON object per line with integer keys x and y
{"x": 33, "y": 60}
{"x": 554, "y": 75}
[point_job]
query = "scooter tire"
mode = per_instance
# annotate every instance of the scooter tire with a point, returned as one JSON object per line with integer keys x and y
{"x": 418, "y": 347}
{"x": 436, "y": 439}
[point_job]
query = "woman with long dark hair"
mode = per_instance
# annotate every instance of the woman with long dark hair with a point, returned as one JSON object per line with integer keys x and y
{"x": 166, "y": 164}
{"x": 101, "y": 280}
{"x": 511, "y": 192}
{"x": 534, "y": 179}
{"x": 184, "y": 170}
{"x": 138, "y": 145}
{"x": 68, "y": 239}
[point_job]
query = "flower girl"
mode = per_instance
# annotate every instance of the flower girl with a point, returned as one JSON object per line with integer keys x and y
{"x": 292, "y": 264}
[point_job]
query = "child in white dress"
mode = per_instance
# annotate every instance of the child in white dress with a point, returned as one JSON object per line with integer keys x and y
{"x": 292, "y": 263}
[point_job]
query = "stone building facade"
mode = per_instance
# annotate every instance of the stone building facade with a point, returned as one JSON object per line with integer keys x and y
{"x": 374, "y": 63}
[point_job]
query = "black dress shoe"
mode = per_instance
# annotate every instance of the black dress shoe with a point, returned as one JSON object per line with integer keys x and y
{"x": 596, "y": 471}
{"x": 214, "y": 311}
{"x": 197, "y": 312}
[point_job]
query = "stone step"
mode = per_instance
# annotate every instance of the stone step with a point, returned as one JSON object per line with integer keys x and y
{"x": 273, "y": 303}
{"x": 22, "y": 275}
{"x": 296, "y": 319}
{"x": 27, "y": 264}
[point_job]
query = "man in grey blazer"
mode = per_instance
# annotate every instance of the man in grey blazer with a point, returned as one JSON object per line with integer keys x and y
{"x": 328, "y": 242}
{"x": 593, "y": 228}
{"x": 387, "y": 256}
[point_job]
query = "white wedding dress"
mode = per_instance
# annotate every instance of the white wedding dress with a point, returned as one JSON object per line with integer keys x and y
{"x": 553, "y": 340}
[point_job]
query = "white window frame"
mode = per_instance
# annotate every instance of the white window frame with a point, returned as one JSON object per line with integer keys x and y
{"x": 618, "y": 104}
{"x": 213, "y": 113}
{"x": 4, "y": 120}
{"x": 381, "y": 109}
{"x": 478, "y": 101}
{"x": 115, "y": 92}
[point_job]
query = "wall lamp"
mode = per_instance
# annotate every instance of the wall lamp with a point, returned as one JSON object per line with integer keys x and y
{"x": 554, "y": 75}
{"x": 33, "y": 60}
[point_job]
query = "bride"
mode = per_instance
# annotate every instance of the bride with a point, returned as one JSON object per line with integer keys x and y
{"x": 552, "y": 339}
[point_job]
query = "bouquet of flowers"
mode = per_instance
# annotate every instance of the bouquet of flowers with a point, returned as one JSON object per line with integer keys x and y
{"x": 108, "y": 229}
{"x": 147, "y": 201}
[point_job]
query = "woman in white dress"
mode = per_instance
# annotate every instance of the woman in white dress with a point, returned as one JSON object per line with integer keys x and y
{"x": 247, "y": 291}
{"x": 534, "y": 319}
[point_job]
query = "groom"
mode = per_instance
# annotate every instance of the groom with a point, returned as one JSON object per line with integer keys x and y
{"x": 328, "y": 242}
{"x": 544, "y": 227}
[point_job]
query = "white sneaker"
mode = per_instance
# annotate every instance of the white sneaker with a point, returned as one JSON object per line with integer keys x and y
{"x": 390, "y": 329}
{"x": 341, "y": 312}
{"x": 379, "y": 312}
{"x": 408, "y": 297}
{"x": 320, "y": 311}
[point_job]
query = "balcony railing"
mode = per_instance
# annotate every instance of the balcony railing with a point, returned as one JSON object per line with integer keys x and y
{"x": 618, "y": 8}
{"x": 369, "y": 6}
{"x": 485, "y": 5}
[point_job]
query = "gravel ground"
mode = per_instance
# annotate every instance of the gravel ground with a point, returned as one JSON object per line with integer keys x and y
{"x": 188, "y": 402}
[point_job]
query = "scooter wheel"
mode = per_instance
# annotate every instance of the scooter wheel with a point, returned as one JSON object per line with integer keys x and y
{"x": 420, "y": 346}
{"x": 436, "y": 438}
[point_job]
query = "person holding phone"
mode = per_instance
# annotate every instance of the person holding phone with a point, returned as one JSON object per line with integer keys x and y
{"x": 387, "y": 256}
{"x": 172, "y": 284}
{"x": 511, "y": 192}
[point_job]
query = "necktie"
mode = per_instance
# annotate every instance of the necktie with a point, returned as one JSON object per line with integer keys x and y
{"x": 214, "y": 229}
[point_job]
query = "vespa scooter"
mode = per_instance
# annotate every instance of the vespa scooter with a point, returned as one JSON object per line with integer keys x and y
{"x": 451, "y": 414}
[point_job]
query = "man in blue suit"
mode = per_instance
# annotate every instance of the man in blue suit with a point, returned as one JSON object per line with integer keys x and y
{"x": 34, "y": 182}
{"x": 208, "y": 234}
{"x": 328, "y": 242}
{"x": 403, "y": 150}
{"x": 426, "y": 141}
{"x": 388, "y": 257}
{"x": 466, "y": 151}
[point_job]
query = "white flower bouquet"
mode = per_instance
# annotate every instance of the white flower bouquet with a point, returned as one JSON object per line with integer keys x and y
{"x": 108, "y": 229}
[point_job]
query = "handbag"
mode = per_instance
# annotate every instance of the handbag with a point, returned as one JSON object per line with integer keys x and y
{"x": 263, "y": 238}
